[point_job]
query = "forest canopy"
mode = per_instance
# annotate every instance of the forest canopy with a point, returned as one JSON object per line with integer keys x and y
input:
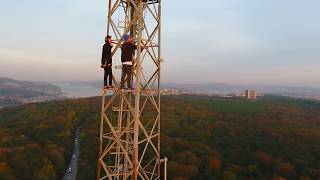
{"x": 203, "y": 137}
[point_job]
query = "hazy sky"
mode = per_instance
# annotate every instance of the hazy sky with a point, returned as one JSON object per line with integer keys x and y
{"x": 232, "y": 41}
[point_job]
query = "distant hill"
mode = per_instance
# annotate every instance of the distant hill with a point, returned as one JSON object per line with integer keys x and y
{"x": 13, "y": 92}
{"x": 203, "y": 137}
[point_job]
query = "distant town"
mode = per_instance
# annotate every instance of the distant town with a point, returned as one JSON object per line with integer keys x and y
{"x": 17, "y": 100}
{"x": 13, "y": 93}
{"x": 248, "y": 94}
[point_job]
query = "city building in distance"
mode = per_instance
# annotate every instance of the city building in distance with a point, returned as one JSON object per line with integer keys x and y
{"x": 251, "y": 94}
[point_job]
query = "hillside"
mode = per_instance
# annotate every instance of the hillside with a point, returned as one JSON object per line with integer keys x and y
{"x": 14, "y": 92}
{"x": 203, "y": 137}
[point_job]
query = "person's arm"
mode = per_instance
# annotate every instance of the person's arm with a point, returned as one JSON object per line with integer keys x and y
{"x": 142, "y": 47}
{"x": 135, "y": 47}
{"x": 109, "y": 48}
{"x": 109, "y": 60}
{"x": 146, "y": 46}
{"x": 103, "y": 57}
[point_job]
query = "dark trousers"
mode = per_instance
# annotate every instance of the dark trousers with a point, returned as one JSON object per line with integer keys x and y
{"x": 108, "y": 75}
{"x": 126, "y": 75}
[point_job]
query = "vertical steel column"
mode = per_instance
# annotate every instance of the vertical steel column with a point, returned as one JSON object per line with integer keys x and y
{"x": 137, "y": 95}
{"x": 159, "y": 81}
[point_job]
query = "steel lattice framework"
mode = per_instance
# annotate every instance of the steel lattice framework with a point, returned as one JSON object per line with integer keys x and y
{"x": 129, "y": 146}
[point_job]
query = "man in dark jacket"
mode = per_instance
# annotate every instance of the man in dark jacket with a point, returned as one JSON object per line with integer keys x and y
{"x": 127, "y": 51}
{"x": 106, "y": 62}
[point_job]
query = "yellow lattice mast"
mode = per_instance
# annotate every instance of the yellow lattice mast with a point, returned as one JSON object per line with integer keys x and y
{"x": 129, "y": 146}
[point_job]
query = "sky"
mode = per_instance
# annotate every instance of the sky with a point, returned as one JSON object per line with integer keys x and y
{"x": 266, "y": 42}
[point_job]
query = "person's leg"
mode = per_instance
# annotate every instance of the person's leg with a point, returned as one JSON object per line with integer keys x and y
{"x": 110, "y": 75}
{"x": 129, "y": 76}
{"x": 123, "y": 75}
{"x": 105, "y": 77}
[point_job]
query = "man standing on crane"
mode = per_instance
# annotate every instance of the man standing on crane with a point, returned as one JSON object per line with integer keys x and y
{"x": 106, "y": 62}
{"x": 127, "y": 52}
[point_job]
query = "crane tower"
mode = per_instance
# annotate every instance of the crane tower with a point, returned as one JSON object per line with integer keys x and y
{"x": 129, "y": 146}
